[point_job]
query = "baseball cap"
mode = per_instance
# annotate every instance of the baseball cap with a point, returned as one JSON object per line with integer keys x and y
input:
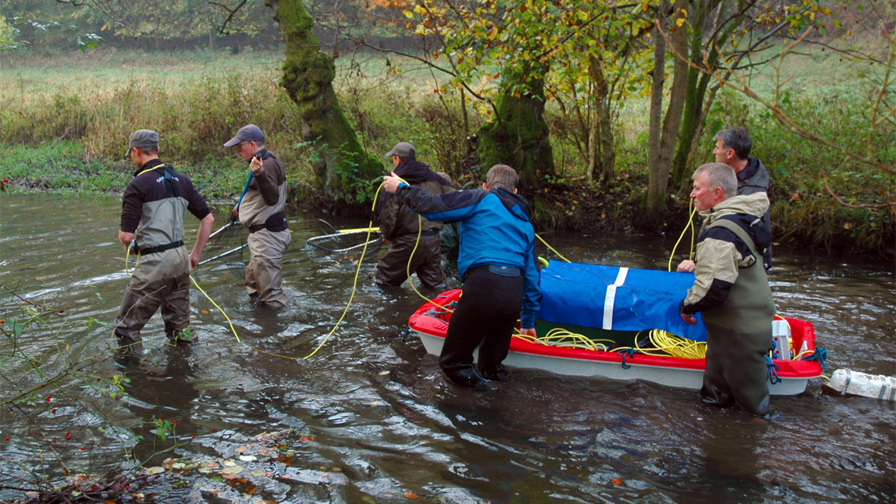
{"x": 248, "y": 133}
{"x": 402, "y": 150}
{"x": 142, "y": 138}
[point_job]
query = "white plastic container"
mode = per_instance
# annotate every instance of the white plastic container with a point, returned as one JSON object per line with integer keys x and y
{"x": 846, "y": 381}
{"x": 781, "y": 337}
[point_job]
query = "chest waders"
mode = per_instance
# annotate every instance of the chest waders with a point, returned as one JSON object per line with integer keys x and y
{"x": 739, "y": 336}
{"x": 161, "y": 278}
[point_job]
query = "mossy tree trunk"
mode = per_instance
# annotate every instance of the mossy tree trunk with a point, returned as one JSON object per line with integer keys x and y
{"x": 518, "y": 137}
{"x": 342, "y": 166}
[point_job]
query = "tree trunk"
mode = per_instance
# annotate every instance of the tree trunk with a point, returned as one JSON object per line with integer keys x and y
{"x": 661, "y": 152}
{"x": 601, "y": 142}
{"x": 693, "y": 99}
{"x": 342, "y": 166}
{"x": 519, "y": 136}
{"x": 654, "y": 123}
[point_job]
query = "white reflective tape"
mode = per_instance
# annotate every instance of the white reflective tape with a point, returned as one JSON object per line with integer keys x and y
{"x": 608, "y": 307}
{"x": 620, "y": 278}
{"x": 610, "y": 298}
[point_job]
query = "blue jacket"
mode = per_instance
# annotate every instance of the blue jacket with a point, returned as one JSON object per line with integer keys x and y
{"x": 494, "y": 229}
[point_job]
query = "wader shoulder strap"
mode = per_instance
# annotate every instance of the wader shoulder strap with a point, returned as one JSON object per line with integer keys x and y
{"x": 170, "y": 188}
{"x": 739, "y": 231}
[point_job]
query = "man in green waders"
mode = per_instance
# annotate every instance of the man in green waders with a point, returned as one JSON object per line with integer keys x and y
{"x": 731, "y": 290}
{"x": 152, "y": 225}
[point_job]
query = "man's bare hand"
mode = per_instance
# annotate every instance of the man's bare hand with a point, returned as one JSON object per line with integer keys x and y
{"x": 687, "y": 266}
{"x": 391, "y": 182}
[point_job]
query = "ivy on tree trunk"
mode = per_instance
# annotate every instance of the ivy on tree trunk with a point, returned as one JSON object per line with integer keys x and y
{"x": 519, "y": 136}
{"x": 342, "y": 166}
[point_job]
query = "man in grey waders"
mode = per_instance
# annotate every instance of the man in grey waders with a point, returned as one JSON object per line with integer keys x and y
{"x": 261, "y": 212}
{"x": 731, "y": 290}
{"x": 152, "y": 226}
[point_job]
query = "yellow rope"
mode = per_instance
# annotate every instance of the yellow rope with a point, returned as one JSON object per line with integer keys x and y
{"x": 237, "y": 336}
{"x": 663, "y": 343}
{"x": 357, "y": 273}
{"x": 551, "y": 248}
{"x": 689, "y": 225}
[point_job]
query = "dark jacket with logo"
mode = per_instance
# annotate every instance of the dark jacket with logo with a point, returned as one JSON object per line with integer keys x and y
{"x": 153, "y": 208}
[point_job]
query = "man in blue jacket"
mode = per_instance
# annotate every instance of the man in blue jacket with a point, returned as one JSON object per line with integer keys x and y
{"x": 497, "y": 264}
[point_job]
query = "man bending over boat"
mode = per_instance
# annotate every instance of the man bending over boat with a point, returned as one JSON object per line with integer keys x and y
{"x": 497, "y": 264}
{"x": 731, "y": 290}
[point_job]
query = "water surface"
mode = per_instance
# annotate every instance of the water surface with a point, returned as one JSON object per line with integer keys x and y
{"x": 373, "y": 408}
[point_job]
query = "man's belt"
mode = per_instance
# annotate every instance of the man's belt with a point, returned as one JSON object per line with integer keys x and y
{"x": 276, "y": 222}
{"x": 161, "y": 248}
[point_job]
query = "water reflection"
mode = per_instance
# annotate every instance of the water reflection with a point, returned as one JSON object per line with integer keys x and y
{"x": 160, "y": 386}
{"x": 374, "y": 406}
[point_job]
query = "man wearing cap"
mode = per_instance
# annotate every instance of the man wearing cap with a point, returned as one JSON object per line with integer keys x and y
{"x": 152, "y": 226}
{"x": 260, "y": 210}
{"x": 400, "y": 226}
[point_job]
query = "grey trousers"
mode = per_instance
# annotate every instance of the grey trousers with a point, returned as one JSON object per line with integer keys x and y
{"x": 264, "y": 282}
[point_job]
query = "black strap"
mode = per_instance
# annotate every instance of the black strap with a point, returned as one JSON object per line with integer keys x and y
{"x": 170, "y": 188}
{"x": 161, "y": 248}
{"x": 275, "y": 223}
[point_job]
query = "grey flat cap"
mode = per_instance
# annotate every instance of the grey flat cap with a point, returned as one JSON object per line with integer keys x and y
{"x": 248, "y": 133}
{"x": 143, "y": 139}
{"x": 402, "y": 150}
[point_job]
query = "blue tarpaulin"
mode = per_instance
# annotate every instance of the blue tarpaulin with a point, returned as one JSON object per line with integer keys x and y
{"x": 618, "y": 299}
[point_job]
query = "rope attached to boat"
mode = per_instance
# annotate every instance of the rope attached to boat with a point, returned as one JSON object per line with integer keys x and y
{"x": 773, "y": 369}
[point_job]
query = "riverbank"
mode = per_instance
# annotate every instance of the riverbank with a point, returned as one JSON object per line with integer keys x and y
{"x": 565, "y": 205}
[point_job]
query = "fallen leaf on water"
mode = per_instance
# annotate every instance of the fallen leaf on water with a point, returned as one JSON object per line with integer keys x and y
{"x": 242, "y": 449}
{"x": 306, "y": 439}
{"x": 257, "y": 473}
{"x": 204, "y": 312}
{"x": 411, "y": 495}
{"x": 228, "y": 476}
{"x": 248, "y": 458}
{"x": 617, "y": 481}
{"x": 152, "y": 471}
{"x": 232, "y": 470}
{"x": 229, "y": 463}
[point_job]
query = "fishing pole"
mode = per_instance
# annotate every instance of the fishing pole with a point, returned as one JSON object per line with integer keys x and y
{"x": 210, "y": 259}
